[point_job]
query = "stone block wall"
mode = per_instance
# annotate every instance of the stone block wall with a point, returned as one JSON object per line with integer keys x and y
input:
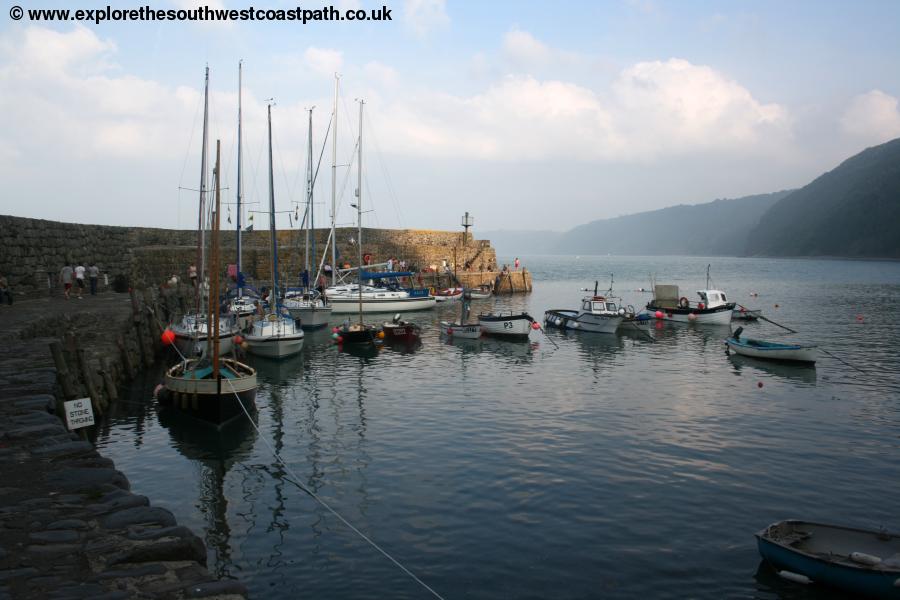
{"x": 32, "y": 251}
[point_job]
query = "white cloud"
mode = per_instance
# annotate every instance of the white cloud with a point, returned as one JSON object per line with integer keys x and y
{"x": 381, "y": 74}
{"x": 653, "y": 108}
{"x": 873, "y": 116}
{"x": 323, "y": 60}
{"x": 423, "y": 16}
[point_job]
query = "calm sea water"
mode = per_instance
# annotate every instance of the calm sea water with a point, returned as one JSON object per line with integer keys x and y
{"x": 587, "y": 467}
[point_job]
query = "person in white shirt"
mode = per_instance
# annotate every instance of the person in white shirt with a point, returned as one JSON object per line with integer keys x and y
{"x": 79, "y": 280}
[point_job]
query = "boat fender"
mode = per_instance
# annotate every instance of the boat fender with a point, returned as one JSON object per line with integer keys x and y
{"x": 795, "y": 577}
{"x": 865, "y": 559}
{"x": 683, "y": 302}
{"x": 160, "y": 387}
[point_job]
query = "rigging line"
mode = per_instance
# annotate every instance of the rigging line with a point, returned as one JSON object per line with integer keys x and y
{"x": 838, "y": 358}
{"x": 296, "y": 481}
{"x": 387, "y": 176}
{"x": 187, "y": 153}
{"x": 289, "y": 190}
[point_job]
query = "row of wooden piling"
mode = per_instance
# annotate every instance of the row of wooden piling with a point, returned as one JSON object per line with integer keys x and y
{"x": 137, "y": 345}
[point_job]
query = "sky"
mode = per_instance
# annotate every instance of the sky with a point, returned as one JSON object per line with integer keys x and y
{"x": 527, "y": 114}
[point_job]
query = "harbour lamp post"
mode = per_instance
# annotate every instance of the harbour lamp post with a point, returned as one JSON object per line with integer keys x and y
{"x": 467, "y": 222}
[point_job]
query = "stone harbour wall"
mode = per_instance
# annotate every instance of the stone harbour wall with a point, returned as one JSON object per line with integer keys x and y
{"x": 34, "y": 251}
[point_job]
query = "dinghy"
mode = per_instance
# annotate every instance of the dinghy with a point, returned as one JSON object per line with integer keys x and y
{"x": 807, "y": 353}
{"x": 399, "y": 331}
{"x": 509, "y": 326}
{"x": 860, "y": 562}
{"x": 461, "y": 329}
{"x": 745, "y": 314}
{"x": 479, "y": 293}
{"x": 448, "y": 294}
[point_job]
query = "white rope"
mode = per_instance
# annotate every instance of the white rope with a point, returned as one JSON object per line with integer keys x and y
{"x": 296, "y": 481}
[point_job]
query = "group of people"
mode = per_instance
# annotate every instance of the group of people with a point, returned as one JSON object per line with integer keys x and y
{"x": 77, "y": 277}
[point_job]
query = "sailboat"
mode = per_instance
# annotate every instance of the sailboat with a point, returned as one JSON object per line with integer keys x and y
{"x": 211, "y": 388}
{"x": 368, "y": 298}
{"x": 242, "y": 307}
{"x": 192, "y": 333}
{"x": 310, "y": 308}
{"x": 274, "y": 335}
{"x": 359, "y": 333}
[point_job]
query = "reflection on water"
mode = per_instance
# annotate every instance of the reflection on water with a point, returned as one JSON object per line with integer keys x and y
{"x": 569, "y": 466}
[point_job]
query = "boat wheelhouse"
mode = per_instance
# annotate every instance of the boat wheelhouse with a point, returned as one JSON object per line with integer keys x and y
{"x": 713, "y": 307}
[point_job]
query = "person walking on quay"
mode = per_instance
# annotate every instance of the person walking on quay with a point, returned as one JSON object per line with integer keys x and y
{"x": 65, "y": 276}
{"x": 517, "y": 263}
{"x": 5, "y": 291}
{"x": 192, "y": 274}
{"x": 79, "y": 280}
{"x": 93, "y": 273}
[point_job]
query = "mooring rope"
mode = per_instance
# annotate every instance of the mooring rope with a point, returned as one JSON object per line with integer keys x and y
{"x": 314, "y": 496}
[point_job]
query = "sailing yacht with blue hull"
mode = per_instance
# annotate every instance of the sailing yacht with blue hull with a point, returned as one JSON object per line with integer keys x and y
{"x": 275, "y": 335}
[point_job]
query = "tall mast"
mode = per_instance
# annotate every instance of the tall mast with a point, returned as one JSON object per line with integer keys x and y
{"x": 239, "y": 183}
{"x": 273, "y": 301}
{"x": 309, "y": 176}
{"x": 213, "y": 317}
{"x": 201, "y": 241}
{"x": 359, "y": 207}
{"x": 312, "y": 206}
{"x": 334, "y": 124}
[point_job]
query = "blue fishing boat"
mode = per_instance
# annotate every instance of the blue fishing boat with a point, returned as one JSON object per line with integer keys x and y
{"x": 864, "y": 563}
{"x": 806, "y": 353}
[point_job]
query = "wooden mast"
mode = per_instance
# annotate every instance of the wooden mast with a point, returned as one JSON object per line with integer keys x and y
{"x": 359, "y": 210}
{"x": 213, "y": 318}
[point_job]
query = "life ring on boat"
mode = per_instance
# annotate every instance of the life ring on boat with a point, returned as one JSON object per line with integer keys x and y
{"x": 367, "y": 258}
{"x": 683, "y": 302}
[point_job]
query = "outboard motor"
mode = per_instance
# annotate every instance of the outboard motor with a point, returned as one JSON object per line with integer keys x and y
{"x": 737, "y": 333}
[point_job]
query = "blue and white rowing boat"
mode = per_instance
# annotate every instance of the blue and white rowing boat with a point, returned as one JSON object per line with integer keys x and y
{"x": 863, "y": 563}
{"x": 807, "y": 353}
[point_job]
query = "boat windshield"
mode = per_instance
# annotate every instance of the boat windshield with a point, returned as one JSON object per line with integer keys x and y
{"x": 611, "y": 306}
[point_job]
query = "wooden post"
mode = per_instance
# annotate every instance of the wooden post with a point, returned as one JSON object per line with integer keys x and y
{"x": 109, "y": 383}
{"x": 126, "y": 356}
{"x": 88, "y": 377}
{"x": 69, "y": 386}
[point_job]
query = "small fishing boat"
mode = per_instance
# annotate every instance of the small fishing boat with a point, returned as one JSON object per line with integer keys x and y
{"x": 358, "y": 333}
{"x": 457, "y": 330}
{"x": 508, "y": 326}
{"x": 448, "y": 294}
{"x": 398, "y": 331}
{"x": 807, "y": 353}
{"x": 479, "y": 293}
{"x": 461, "y": 329}
{"x": 745, "y": 314}
{"x": 598, "y": 314}
{"x": 192, "y": 335}
{"x": 861, "y": 562}
{"x": 712, "y": 309}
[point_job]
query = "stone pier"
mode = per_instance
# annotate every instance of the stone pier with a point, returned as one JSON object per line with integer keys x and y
{"x": 69, "y": 526}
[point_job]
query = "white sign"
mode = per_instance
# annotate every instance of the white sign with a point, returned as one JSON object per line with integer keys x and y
{"x": 79, "y": 413}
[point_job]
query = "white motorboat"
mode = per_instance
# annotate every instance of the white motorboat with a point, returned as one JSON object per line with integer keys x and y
{"x": 712, "y": 309}
{"x": 244, "y": 310}
{"x": 192, "y": 335}
{"x": 598, "y": 314}
{"x": 275, "y": 336}
{"x": 311, "y": 310}
{"x": 479, "y": 293}
{"x": 806, "y": 353}
{"x": 506, "y": 326}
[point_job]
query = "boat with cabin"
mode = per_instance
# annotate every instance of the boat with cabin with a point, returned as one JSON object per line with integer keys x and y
{"x": 713, "y": 308}
{"x": 793, "y": 352}
{"x": 400, "y": 331}
{"x": 861, "y": 562}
